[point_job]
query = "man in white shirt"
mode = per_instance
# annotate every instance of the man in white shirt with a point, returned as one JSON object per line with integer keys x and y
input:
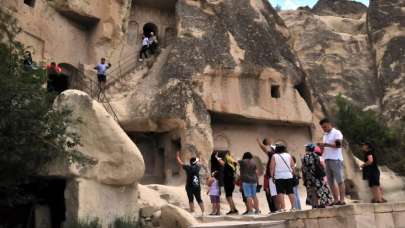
{"x": 144, "y": 49}
{"x": 332, "y": 153}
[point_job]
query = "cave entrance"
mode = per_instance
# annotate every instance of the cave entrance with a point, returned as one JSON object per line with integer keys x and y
{"x": 159, "y": 154}
{"x": 44, "y": 205}
{"x": 148, "y": 16}
{"x": 150, "y": 27}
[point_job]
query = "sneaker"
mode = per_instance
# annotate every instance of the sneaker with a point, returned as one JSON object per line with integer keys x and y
{"x": 251, "y": 213}
{"x": 340, "y": 203}
{"x": 232, "y": 212}
{"x": 293, "y": 210}
{"x": 246, "y": 213}
{"x": 258, "y": 212}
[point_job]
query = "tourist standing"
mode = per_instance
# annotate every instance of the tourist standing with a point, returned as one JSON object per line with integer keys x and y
{"x": 268, "y": 184}
{"x": 371, "y": 173}
{"x": 214, "y": 193}
{"x": 281, "y": 168}
{"x": 297, "y": 202}
{"x": 248, "y": 175}
{"x": 229, "y": 170}
{"x": 313, "y": 174}
{"x": 102, "y": 68}
{"x": 52, "y": 71}
{"x": 144, "y": 49}
{"x": 193, "y": 185}
{"x": 332, "y": 152}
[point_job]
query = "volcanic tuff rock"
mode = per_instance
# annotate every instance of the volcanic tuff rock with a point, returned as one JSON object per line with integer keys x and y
{"x": 386, "y": 26}
{"x": 107, "y": 190}
{"x": 119, "y": 161}
{"x": 339, "y": 8}
{"x": 361, "y": 57}
{"x": 226, "y": 56}
{"x": 334, "y": 51}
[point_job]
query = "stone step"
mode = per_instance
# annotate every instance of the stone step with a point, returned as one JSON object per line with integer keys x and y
{"x": 242, "y": 224}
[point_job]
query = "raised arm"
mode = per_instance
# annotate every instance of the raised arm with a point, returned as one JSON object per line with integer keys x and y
{"x": 181, "y": 163}
{"x": 220, "y": 160}
{"x": 261, "y": 145}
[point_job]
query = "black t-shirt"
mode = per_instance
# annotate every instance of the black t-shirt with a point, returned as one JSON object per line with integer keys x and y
{"x": 193, "y": 175}
{"x": 370, "y": 169}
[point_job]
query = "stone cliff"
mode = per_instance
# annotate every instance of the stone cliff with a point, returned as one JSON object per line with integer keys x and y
{"x": 227, "y": 72}
{"x": 349, "y": 49}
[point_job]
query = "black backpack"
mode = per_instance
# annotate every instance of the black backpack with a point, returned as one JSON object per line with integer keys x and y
{"x": 319, "y": 170}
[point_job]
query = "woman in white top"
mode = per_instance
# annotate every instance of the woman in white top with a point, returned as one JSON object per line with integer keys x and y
{"x": 282, "y": 173}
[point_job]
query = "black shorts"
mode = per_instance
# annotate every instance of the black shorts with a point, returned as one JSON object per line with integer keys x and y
{"x": 101, "y": 77}
{"x": 374, "y": 179}
{"x": 229, "y": 186}
{"x": 285, "y": 186}
{"x": 194, "y": 192}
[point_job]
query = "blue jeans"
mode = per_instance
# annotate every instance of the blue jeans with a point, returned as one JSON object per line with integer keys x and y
{"x": 297, "y": 203}
{"x": 249, "y": 189}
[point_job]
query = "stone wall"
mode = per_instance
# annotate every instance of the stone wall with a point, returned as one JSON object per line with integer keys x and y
{"x": 48, "y": 34}
{"x": 353, "y": 216}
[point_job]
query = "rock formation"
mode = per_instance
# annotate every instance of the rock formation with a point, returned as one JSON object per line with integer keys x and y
{"x": 334, "y": 51}
{"x": 227, "y": 72}
{"x": 339, "y": 8}
{"x": 107, "y": 190}
{"x": 386, "y": 30}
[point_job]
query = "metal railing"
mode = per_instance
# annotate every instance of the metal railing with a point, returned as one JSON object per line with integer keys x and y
{"x": 92, "y": 88}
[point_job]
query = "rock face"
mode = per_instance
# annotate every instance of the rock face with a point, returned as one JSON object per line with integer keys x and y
{"x": 386, "y": 26}
{"x": 339, "y": 8}
{"x": 107, "y": 190}
{"x": 345, "y": 49}
{"x": 229, "y": 58}
{"x": 335, "y": 53}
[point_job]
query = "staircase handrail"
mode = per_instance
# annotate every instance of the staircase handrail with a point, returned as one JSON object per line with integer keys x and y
{"x": 107, "y": 105}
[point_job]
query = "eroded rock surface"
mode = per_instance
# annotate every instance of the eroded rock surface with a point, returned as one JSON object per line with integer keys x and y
{"x": 107, "y": 190}
{"x": 335, "y": 53}
{"x": 227, "y": 57}
{"x": 339, "y": 8}
{"x": 386, "y": 25}
{"x": 119, "y": 161}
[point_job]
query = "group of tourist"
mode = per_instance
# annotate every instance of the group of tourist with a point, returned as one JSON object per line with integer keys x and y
{"x": 149, "y": 44}
{"x": 322, "y": 173}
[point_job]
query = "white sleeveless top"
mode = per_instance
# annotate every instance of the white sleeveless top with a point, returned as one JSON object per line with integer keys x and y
{"x": 283, "y": 170}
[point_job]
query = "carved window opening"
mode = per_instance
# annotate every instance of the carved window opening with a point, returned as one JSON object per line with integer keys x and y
{"x": 275, "y": 91}
{"x": 30, "y": 3}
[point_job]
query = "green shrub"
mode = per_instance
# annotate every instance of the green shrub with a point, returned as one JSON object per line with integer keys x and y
{"x": 360, "y": 126}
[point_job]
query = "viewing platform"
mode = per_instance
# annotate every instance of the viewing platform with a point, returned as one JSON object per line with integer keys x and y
{"x": 387, "y": 215}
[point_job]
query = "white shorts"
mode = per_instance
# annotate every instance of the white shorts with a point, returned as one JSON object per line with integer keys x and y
{"x": 272, "y": 186}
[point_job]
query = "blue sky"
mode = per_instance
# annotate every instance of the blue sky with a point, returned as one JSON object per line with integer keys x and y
{"x": 293, "y": 4}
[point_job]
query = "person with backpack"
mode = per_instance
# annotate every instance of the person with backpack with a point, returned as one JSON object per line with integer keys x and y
{"x": 229, "y": 170}
{"x": 313, "y": 175}
{"x": 193, "y": 183}
{"x": 282, "y": 172}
